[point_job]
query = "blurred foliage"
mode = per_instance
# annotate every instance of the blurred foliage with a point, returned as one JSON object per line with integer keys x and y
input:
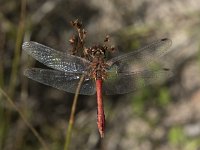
{"x": 176, "y": 136}
{"x": 160, "y": 97}
{"x": 164, "y": 97}
{"x": 130, "y": 38}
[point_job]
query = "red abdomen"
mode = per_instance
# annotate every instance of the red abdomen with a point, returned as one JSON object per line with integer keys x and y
{"x": 100, "y": 110}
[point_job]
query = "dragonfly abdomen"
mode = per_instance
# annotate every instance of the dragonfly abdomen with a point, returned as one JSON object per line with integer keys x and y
{"x": 100, "y": 110}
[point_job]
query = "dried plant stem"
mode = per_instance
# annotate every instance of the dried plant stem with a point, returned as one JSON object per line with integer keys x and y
{"x": 19, "y": 38}
{"x": 10, "y": 101}
{"x": 2, "y": 39}
{"x": 73, "y": 110}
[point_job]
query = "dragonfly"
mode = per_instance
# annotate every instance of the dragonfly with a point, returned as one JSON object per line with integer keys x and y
{"x": 113, "y": 76}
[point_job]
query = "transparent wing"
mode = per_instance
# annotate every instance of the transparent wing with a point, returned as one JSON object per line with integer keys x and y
{"x": 55, "y": 59}
{"x": 142, "y": 56}
{"x": 65, "y": 81}
{"x": 124, "y": 83}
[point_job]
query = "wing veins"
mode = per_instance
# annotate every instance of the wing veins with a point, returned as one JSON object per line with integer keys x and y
{"x": 55, "y": 59}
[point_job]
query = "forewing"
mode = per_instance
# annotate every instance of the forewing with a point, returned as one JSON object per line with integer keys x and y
{"x": 124, "y": 83}
{"x": 65, "y": 81}
{"x": 142, "y": 56}
{"x": 55, "y": 59}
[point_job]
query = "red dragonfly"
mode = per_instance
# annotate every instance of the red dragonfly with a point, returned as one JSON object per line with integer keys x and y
{"x": 119, "y": 75}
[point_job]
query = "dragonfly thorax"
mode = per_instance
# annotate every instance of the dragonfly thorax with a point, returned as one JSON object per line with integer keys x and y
{"x": 96, "y": 55}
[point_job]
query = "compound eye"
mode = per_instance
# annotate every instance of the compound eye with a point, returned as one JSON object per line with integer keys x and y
{"x": 93, "y": 50}
{"x": 98, "y": 52}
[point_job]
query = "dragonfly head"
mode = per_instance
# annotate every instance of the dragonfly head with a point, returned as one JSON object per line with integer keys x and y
{"x": 96, "y": 51}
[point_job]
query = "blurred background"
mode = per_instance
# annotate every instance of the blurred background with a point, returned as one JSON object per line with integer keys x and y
{"x": 157, "y": 117}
